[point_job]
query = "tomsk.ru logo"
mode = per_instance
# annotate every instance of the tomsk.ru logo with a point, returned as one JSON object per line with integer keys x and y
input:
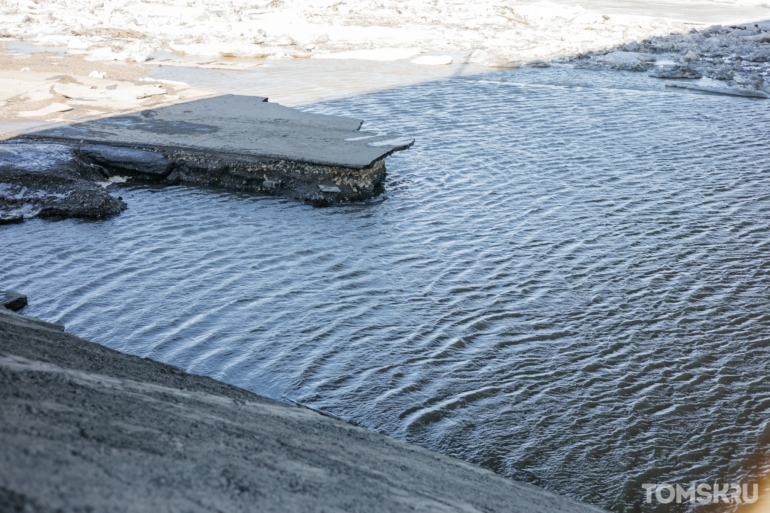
{"x": 703, "y": 493}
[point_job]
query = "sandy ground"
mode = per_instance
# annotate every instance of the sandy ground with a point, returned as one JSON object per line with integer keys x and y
{"x": 41, "y": 89}
{"x": 85, "y": 428}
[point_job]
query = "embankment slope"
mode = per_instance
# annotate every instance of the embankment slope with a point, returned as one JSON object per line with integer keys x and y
{"x": 85, "y": 428}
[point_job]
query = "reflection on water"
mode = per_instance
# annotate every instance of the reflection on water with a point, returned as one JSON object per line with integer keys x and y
{"x": 567, "y": 282}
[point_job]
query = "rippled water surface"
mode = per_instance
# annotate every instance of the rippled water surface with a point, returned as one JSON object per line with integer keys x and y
{"x": 567, "y": 281}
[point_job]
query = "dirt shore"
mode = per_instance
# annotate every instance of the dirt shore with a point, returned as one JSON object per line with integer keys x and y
{"x": 85, "y": 428}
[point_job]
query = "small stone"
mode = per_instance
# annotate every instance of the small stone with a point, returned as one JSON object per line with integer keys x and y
{"x": 329, "y": 188}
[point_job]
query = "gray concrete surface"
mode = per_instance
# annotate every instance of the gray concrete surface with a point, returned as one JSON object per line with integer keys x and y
{"x": 10, "y": 315}
{"x": 240, "y": 125}
{"x": 85, "y": 428}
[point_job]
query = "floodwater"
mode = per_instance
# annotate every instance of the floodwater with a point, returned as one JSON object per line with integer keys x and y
{"x": 567, "y": 281}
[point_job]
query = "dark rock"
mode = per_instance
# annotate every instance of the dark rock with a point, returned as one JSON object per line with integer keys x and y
{"x": 11, "y": 219}
{"x": 92, "y": 203}
{"x": 173, "y": 178}
{"x": 12, "y": 300}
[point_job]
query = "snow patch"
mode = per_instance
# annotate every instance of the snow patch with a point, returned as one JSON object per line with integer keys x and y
{"x": 379, "y": 54}
{"x": 45, "y": 111}
{"x": 433, "y": 60}
{"x": 399, "y": 141}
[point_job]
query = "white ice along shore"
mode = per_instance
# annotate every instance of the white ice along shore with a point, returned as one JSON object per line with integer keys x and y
{"x": 486, "y": 32}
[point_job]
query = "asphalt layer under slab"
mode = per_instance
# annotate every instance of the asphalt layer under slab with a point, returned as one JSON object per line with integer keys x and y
{"x": 85, "y": 428}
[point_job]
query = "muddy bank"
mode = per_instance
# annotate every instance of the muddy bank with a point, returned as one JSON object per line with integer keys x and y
{"x": 85, "y": 428}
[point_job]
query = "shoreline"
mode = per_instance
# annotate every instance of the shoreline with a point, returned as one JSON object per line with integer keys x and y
{"x": 86, "y": 426}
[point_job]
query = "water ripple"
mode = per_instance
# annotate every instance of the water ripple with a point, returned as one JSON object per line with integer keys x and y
{"x": 566, "y": 281}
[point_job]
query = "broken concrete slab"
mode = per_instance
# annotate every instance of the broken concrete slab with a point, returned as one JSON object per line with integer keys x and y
{"x": 239, "y": 125}
{"x": 233, "y": 142}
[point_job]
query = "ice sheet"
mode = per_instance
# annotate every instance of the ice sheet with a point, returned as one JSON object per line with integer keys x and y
{"x": 487, "y": 32}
